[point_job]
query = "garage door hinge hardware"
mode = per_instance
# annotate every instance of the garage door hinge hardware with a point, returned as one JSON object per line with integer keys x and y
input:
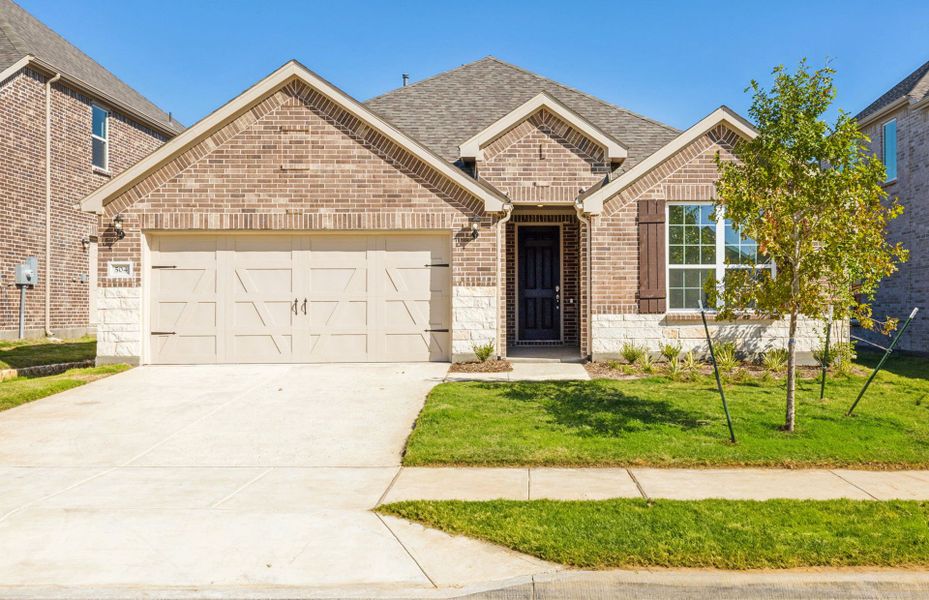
{"x": 163, "y": 333}
{"x": 164, "y": 266}
{"x": 438, "y": 330}
{"x": 439, "y": 265}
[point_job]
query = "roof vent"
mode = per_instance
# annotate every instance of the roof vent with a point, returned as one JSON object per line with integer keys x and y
{"x": 406, "y": 79}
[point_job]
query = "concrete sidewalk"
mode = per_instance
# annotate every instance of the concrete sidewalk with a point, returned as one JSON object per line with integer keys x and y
{"x": 527, "y": 371}
{"x": 451, "y": 483}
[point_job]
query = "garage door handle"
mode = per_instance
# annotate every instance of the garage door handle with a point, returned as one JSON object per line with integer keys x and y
{"x": 294, "y": 307}
{"x": 304, "y": 306}
{"x": 437, "y": 330}
{"x": 439, "y": 265}
{"x": 163, "y": 333}
{"x": 164, "y": 266}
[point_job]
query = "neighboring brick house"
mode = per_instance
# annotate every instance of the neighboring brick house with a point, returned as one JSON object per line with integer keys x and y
{"x": 484, "y": 205}
{"x": 57, "y": 102}
{"x": 898, "y": 125}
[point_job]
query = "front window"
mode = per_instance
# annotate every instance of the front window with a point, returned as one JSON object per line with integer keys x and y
{"x": 890, "y": 149}
{"x": 100, "y": 137}
{"x": 701, "y": 246}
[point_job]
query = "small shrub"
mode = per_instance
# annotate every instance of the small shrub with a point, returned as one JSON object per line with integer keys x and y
{"x": 842, "y": 355}
{"x": 774, "y": 360}
{"x": 725, "y": 357}
{"x": 645, "y": 362}
{"x": 631, "y": 353}
{"x": 614, "y": 364}
{"x": 483, "y": 351}
{"x": 675, "y": 370}
{"x": 670, "y": 352}
{"x": 690, "y": 364}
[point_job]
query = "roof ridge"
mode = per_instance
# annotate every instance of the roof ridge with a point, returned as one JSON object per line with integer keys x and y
{"x": 583, "y": 93}
{"x": 430, "y": 78}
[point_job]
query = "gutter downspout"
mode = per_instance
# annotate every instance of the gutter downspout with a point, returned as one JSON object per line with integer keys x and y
{"x": 501, "y": 234}
{"x": 579, "y": 209}
{"x": 48, "y": 201}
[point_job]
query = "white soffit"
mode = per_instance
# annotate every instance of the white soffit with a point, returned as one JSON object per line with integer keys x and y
{"x": 472, "y": 149}
{"x": 723, "y": 115}
{"x": 291, "y": 71}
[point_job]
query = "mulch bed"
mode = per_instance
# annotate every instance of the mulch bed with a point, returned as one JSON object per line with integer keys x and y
{"x": 603, "y": 370}
{"x": 488, "y": 366}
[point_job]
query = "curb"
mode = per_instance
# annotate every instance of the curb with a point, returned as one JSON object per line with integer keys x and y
{"x": 42, "y": 370}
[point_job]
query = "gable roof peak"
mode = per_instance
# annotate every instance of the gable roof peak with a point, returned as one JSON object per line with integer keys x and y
{"x": 290, "y": 72}
{"x": 473, "y": 148}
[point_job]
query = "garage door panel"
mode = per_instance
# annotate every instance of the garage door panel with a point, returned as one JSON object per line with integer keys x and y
{"x": 359, "y": 297}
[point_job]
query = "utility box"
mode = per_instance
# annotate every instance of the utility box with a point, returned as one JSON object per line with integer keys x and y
{"x": 28, "y": 272}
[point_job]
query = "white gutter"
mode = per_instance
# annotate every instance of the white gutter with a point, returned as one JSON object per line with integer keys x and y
{"x": 48, "y": 202}
{"x": 579, "y": 209}
{"x": 884, "y": 111}
{"x": 501, "y": 239}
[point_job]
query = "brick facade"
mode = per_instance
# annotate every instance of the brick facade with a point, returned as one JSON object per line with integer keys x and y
{"x": 298, "y": 161}
{"x": 909, "y": 286}
{"x": 295, "y": 160}
{"x": 543, "y": 159}
{"x": 689, "y": 175}
{"x": 22, "y": 182}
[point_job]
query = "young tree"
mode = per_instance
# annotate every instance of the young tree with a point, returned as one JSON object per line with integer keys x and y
{"x": 810, "y": 194}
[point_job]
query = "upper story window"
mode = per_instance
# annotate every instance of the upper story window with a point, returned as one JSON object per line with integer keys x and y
{"x": 702, "y": 245}
{"x": 889, "y": 131}
{"x": 100, "y": 137}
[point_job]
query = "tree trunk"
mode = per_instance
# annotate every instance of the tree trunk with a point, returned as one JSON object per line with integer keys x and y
{"x": 791, "y": 416}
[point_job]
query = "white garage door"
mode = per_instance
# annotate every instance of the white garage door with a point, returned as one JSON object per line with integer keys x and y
{"x": 299, "y": 298}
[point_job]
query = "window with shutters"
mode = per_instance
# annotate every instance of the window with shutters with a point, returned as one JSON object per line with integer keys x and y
{"x": 703, "y": 245}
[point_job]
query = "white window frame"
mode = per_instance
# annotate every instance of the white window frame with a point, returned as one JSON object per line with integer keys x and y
{"x": 720, "y": 254}
{"x": 896, "y": 148}
{"x": 106, "y": 139}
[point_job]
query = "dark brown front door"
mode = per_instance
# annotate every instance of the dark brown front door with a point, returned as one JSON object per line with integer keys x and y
{"x": 539, "y": 291}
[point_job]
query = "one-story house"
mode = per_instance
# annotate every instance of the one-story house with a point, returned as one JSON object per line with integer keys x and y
{"x": 485, "y": 205}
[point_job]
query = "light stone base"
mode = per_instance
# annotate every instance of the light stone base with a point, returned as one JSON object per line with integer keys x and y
{"x": 474, "y": 319}
{"x": 119, "y": 328}
{"x": 752, "y": 338}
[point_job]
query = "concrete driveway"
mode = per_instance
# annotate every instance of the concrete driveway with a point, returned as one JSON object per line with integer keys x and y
{"x": 238, "y": 479}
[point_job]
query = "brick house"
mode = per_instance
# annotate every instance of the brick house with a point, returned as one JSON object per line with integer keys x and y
{"x": 66, "y": 127}
{"x": 484, "y": 205}
{"x": 898, "y": 125}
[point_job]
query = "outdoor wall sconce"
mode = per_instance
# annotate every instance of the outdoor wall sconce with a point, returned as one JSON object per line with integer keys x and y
{"x": 475, "y": 227}
{"x": 118, "y": 227}
{"x": 85, "y": 243}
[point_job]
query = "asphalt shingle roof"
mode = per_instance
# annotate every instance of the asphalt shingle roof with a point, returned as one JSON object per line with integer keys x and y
{"x": 446, "y": 110}
{"x": 915, "y": 86}
{"x": 21, "y": 34}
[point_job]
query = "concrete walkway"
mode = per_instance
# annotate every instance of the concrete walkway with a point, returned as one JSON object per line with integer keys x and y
{"x": 418, "y": 483}
{"x": 527, "y": 371}
{"x": 223, "y": 480}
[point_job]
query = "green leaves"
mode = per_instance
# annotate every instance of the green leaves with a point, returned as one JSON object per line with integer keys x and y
{"x": 810, "y": 193}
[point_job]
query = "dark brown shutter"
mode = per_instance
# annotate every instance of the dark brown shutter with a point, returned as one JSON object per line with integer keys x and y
{"x": 652, "y": 294}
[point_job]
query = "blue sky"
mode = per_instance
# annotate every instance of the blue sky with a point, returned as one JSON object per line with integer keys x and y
{"x": 673, "y": 61}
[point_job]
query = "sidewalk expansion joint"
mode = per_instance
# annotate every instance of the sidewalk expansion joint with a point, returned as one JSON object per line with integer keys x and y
{"x": 854, "y": 485}
{"x": 407, "y": 550}
{"x": 390, "y": 486}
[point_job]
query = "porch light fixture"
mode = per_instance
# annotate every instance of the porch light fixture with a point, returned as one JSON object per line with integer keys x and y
{"x": 475, "y": 227}
{"x": 85, "y": 242}
{"x": 118, "y": 227}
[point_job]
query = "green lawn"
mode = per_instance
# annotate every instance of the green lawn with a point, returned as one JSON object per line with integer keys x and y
{"x": 656, "y": 421}
{"x": 28, "y": 353}
{"x": 14, "y": 392}
{"x": 722, "y": 534}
